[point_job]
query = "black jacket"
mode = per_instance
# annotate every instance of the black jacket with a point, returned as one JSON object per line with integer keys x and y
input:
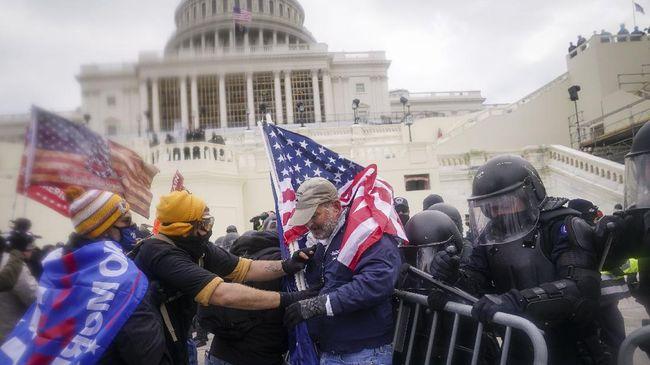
{"x": 249, "y": 337}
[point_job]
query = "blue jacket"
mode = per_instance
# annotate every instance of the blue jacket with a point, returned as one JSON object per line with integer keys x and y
{"x": 360, "y": 313}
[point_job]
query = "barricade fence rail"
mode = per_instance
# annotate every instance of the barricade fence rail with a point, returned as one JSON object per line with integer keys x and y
{"x": 412, "y": 308}
{"x": 631, "y": 343}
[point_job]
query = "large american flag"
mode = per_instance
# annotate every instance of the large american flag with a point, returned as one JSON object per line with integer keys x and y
{"x": 60, "y": 153}
{"x": 241, "y": 16}
{"x": 369, "y": 200}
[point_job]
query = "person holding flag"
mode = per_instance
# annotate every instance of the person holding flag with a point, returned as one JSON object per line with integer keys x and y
{"x": 93, "y": 304}
{"x": 345, "y": 212}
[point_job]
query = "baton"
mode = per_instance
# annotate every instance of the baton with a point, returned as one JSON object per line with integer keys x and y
{"x": 452, "y": 289}
{"x": 608, "y": 244}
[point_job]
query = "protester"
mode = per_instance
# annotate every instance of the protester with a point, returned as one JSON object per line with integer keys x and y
{"x": 637, "y": 34}
{"x": 189, "y": 270}
{"x": 244, "y": 337}
{"x": 351, "y": 320}
{"x": 402, "y": 208}
{"x": 605, "y": 36}
{"x": 572, "y": 49}
{"x": 92, "y": 264}
{"x": 12, "y": 268}
{"x": 535, "y": 257}
{"x": 20, "y": 293}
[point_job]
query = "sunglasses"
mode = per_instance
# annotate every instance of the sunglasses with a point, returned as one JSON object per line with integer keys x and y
{"x": 206, "y": 223}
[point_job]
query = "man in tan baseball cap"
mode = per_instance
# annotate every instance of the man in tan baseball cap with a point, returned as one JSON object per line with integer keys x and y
{"x": 318, "y": 207}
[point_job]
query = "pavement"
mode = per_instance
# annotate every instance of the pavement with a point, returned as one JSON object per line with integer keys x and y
{"x": 632, "y": 312}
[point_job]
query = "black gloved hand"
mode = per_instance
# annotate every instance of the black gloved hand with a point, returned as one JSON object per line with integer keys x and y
{"x": 304, "y": 310}
{"x": 437, "y": 299}
{"x": 297, "y": 262}
{"x": 288, "y": 298}
{"x": 445, "y": 265}
{"x": 488, "y": 305}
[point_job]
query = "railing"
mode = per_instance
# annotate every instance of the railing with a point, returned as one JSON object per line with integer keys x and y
{"x": 628, "y": 120}
{"x": 407, "y": 299}
{"x": 189, "y": 151}
{"x": 251, "y": 49}
{"x": 594, "y": 169}
{"x": 631, "y": 343}
{"x": 396, "y": 94}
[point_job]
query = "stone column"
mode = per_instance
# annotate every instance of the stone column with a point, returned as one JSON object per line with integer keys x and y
{"x": 289, "y": 96}
{"x": 279, "y": 115}
{"x": 275, "y": 37}
{"x": 316, "y": 90}
{"x": 286, "y": 38}
{"x": 231, "y": 35}
{"x": 260, "y": 38}
{"x": 250, "y": 99}
{"x": 223, "y": 111}
{"x": 195, "y": 102}
{"x": 327, "y": 94}
{"x": 246, "y": 42}
{"x": 155, "y": 105}
{"x": 347, "y": 99}
{"x": 144, "y": 105}
{"x": 185, "y": 114}
{"x": 203, "y": 43}
{"x": 216, "y": 40}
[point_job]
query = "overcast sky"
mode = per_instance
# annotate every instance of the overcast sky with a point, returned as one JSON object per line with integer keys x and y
{"x": 505, "y": 48}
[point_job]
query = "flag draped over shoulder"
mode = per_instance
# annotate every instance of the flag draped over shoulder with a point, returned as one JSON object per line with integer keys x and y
{"x": 294, "y": 159}
{"x": 60, "y": 153}
{"x": 84, "y": 299}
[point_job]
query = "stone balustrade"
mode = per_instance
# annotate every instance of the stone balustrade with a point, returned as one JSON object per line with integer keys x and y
{"x": 594, "y": 169}
{"x": 200, "y": 155}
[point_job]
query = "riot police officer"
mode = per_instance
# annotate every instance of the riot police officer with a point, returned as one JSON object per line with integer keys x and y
{"x": 454, "y": 214}
{"x": 430, "y": 232}
{"x": 535, "y": 257}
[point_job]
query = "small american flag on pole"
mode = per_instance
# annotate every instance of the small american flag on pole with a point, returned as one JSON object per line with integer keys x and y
{"x": 241, "y": 16}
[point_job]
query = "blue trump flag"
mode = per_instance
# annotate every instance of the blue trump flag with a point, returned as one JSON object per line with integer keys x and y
{"x": 84, "y": 299}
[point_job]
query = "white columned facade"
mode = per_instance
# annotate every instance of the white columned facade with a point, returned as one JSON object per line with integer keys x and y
{"x": 250, "y": 99}
{"x": 246, "y": 42}
{"x": 289, "y": 96}
{"x": 216, "y": 39}
{"x": 185, "y": 114}
{"x": 195, "y": 103}
{"x": 346, "y": 112}
{"x": 155, "y": 105}
{"x": 275, "y": 37}
{"x": 260, "y": 37}
{"x": 231, "y": 36}
{"x": 279, "y": 115}
{"x": 318, "y": 115}
{"x": 203, "y": 42}
{"x": 223, "y": 112}
{"x": 327, "y": 94}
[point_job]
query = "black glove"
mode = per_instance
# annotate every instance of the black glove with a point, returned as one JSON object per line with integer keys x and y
{"x": 445, "y": 266}
{"x": 438, "y": 299}
{"x": 297, "y": 262}
{"x": 488, "y": 305}
{"x": 304, "y": 310}
{"x": 288, "y": 298}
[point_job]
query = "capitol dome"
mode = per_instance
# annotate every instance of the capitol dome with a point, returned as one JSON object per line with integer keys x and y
{"x": 203, "y": 25}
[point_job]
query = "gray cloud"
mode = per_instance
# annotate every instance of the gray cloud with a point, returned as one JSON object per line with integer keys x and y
{"x": 506, "y": 48}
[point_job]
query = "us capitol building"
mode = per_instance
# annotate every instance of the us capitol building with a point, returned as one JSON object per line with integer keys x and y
{"x": 222, "y": 79}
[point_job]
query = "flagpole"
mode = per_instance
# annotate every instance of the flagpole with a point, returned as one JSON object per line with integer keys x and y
{"x": 634, "y": 12}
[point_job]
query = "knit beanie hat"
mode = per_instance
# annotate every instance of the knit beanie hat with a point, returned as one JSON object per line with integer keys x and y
{"x": 93, "y": 212}
{"x": 176, "y": 210}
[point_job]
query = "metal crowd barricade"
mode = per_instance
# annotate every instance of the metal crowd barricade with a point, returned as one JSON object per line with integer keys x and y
{"x": 631, "y": 343}
{"x": 408, "y": 300}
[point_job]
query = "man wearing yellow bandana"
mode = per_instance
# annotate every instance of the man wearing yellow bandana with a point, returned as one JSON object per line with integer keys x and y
{"x": 189, "y": 270}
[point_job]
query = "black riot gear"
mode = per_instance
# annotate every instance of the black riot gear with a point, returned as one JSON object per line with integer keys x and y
{"x": 507, "y": 194}
{"x": 534, "y": 256}
{"x": 637, "y": 171}
{"x": 451, "y": 212}
{"x": 429, "y": 232}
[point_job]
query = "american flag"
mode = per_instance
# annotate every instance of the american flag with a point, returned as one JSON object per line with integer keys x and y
{"x": 295, "y": 158}
{"x": 60, "y": 153}
{"x": 241, "y": 16}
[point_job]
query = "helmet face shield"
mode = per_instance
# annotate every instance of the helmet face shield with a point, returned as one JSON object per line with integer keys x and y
{"x": 422, "y": 255}
{"x": 637, "y": 182}
{"x": 504, "y": 217}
